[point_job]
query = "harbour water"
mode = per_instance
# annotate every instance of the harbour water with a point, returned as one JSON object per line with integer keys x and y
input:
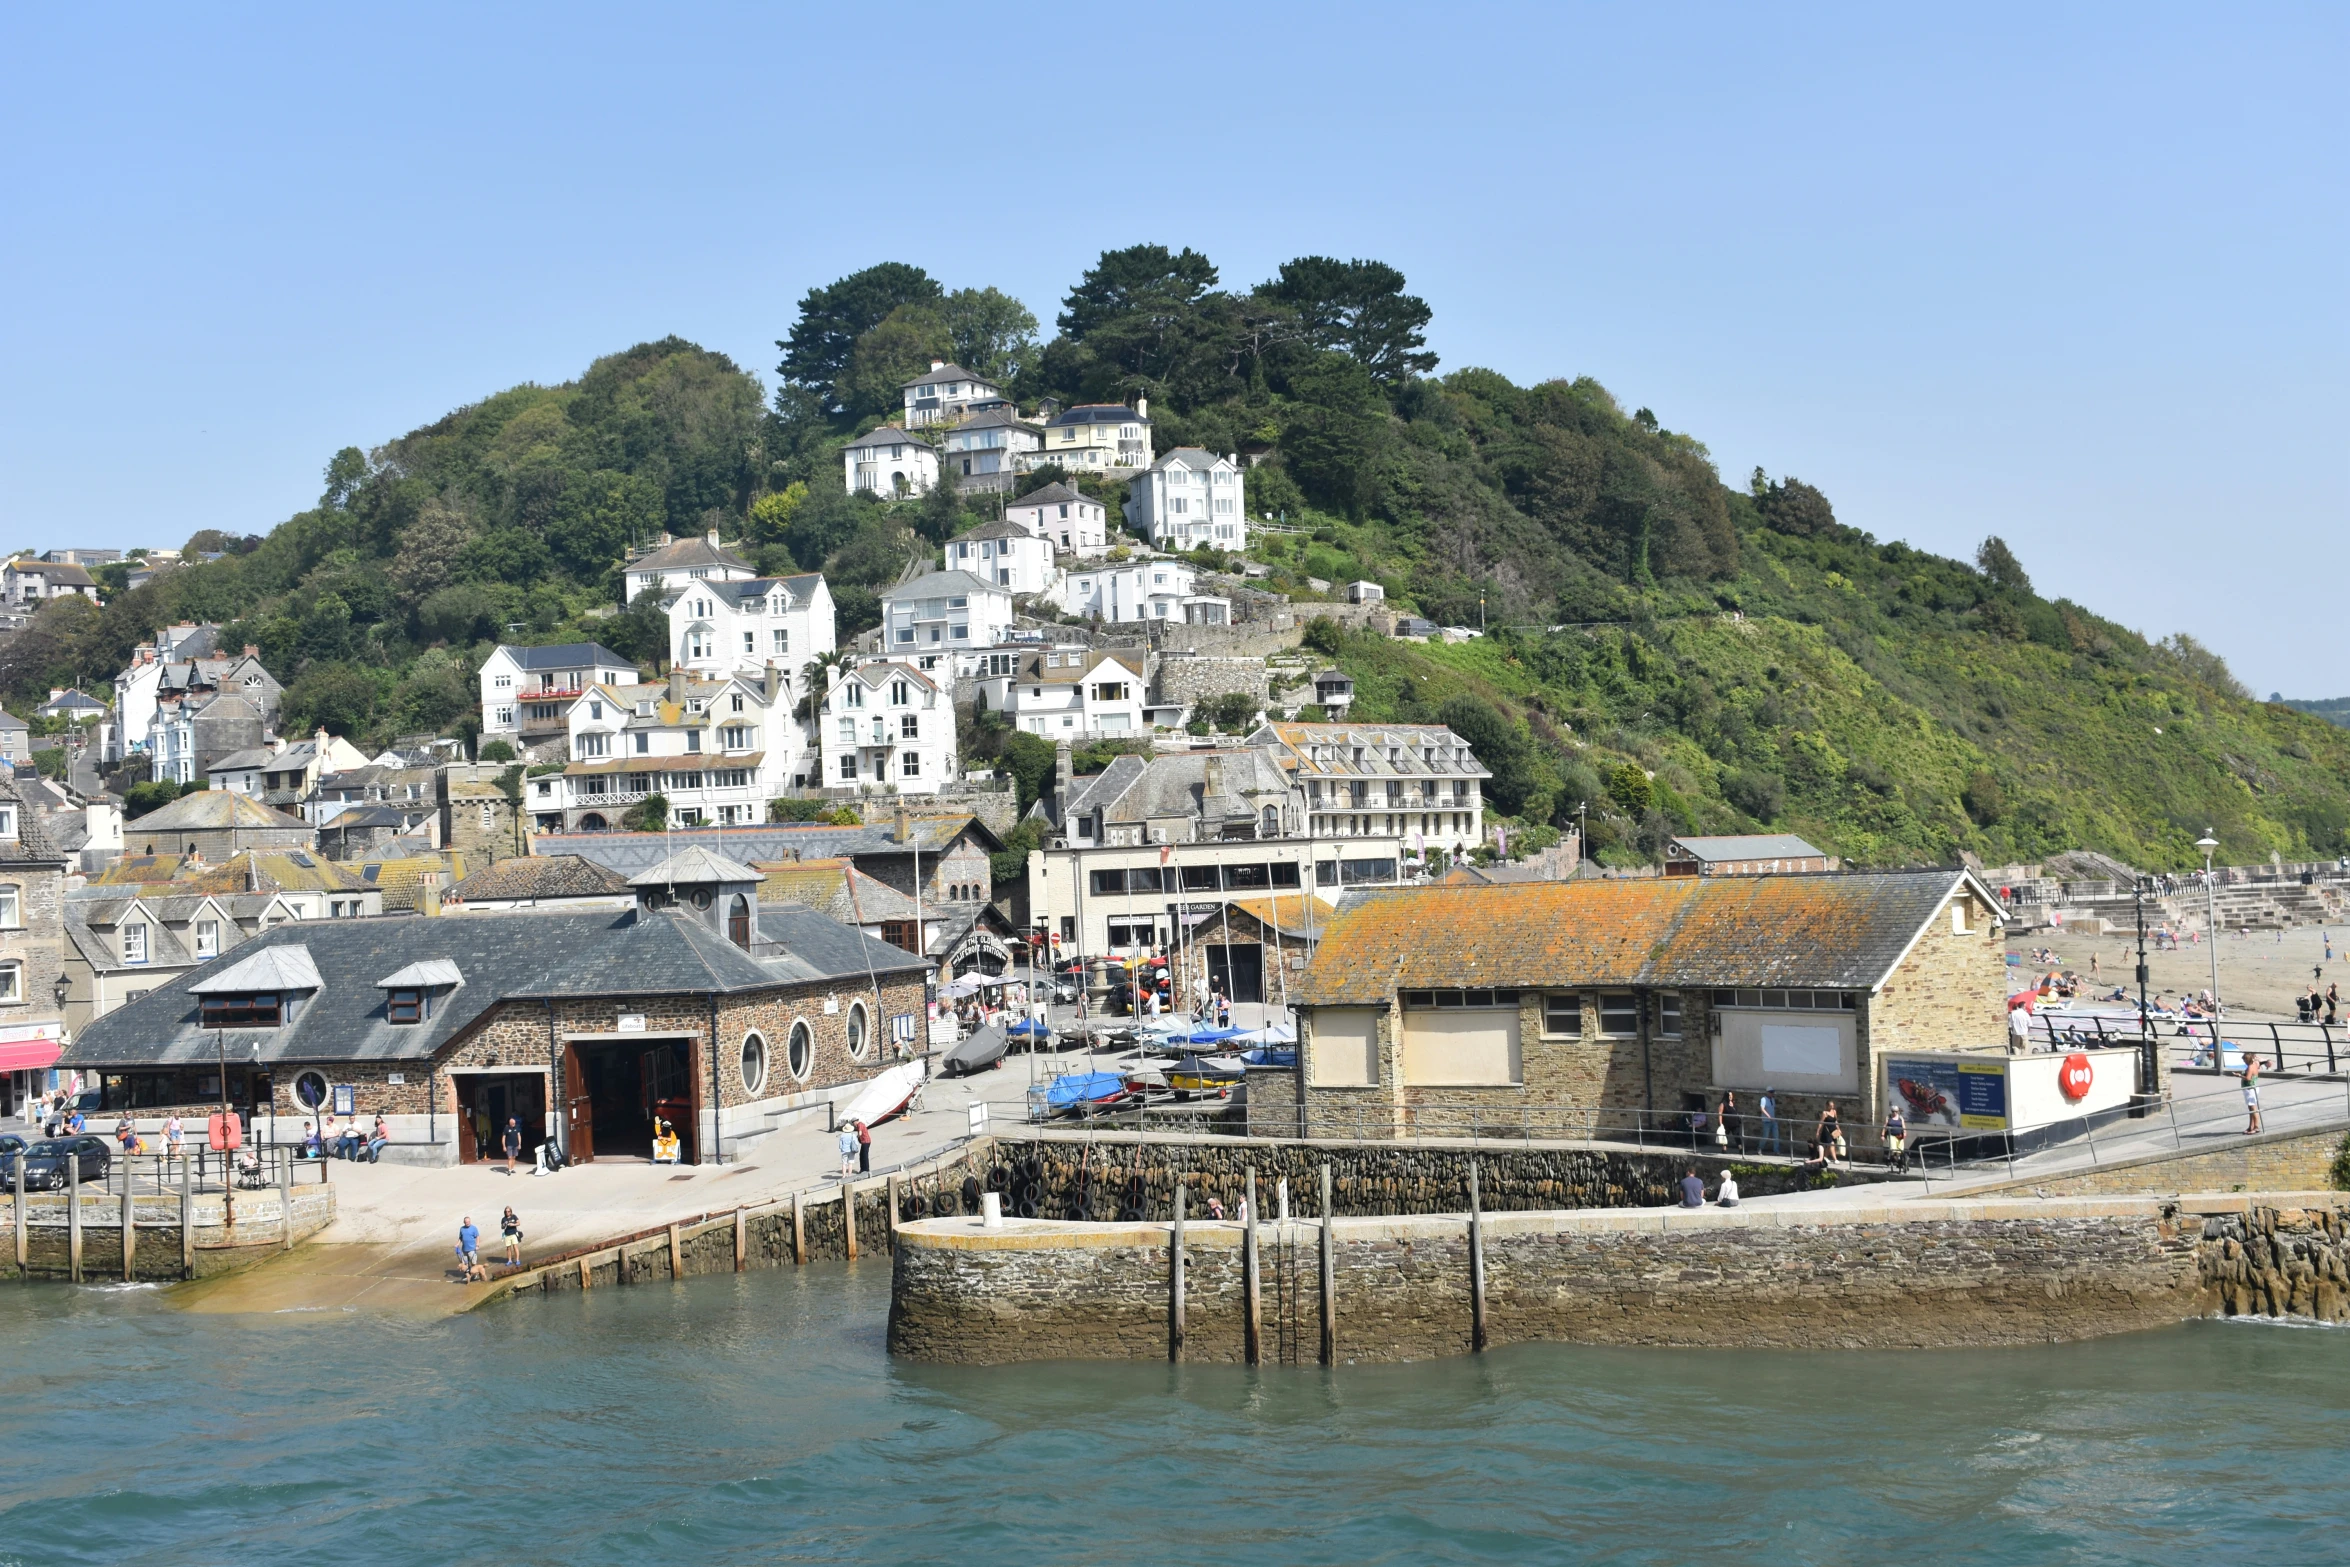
{"x": 755, "y": 1418}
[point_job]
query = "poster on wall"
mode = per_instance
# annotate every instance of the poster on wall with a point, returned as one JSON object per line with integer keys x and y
{"x": 1953, "y": 1095}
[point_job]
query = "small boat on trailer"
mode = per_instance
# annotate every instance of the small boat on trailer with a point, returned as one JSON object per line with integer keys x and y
{"x": 883, "y": 1097}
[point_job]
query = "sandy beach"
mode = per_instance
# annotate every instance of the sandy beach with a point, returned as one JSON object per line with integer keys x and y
{"x": 2258, "y": 975}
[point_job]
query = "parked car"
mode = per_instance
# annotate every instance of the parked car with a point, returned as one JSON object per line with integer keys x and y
{"x": 10, "y": 1146}
{"x": 45, "y": 1162}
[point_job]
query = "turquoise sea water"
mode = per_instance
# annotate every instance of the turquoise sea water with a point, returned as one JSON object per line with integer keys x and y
{"x": 757, "y": 1419}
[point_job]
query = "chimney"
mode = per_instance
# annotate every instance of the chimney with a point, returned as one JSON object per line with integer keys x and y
{"x": 1213, "y": 778}
{"x": 676, "y": 684}
{"x": 774, "y": 683}
{"x": 905, "y": 830}
{"x": 1142, "y": 408}
{"x": 938, "y": 364}
{"x": 252, "y": 650}
{"x": 713, "y": 538}
{"x": 1063, "y": 781}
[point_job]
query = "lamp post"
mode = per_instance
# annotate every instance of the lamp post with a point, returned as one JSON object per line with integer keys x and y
{"x": 2149, "y": 1057}
{"x": 2207, "y": 843}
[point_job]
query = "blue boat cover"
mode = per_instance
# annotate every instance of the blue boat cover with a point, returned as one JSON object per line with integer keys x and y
{"x": 1082, "y": 1088}
{"x": 1028, "y": 1026}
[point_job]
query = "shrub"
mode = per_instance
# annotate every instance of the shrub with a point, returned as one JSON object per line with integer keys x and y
{"x": 497, "y": 751}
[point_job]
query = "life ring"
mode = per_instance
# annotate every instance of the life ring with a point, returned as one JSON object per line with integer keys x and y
{"x": 2074, "y": 1077}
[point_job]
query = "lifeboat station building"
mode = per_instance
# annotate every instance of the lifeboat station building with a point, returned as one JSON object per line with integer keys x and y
{"x": 584, "y": 1026}
{"x": 1585, "y": 1008}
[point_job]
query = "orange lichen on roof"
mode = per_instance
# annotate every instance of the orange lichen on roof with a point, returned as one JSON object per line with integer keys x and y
{"x": 1845, "y": 931}
{"x": 1292, "y": 914}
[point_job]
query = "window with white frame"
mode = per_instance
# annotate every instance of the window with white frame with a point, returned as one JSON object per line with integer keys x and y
{"x": 11, "y": 906}
{"x": 207, "y": 938}
{"x": 134, "y": 943}
{"x": 594, "y": 746}
{"x": 782, "y": 640}
{"x": 911, "y": 764}
{"x": 11, "y": 982}
{"x": 848, "y": 764}
{"x": 909, "y": 726}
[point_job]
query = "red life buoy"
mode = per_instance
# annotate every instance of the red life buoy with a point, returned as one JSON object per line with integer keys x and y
{"x": 2075, "y": 1076}
{"x": 224, "y": 1133}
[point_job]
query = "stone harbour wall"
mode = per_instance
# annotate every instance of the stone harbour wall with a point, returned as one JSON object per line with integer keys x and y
{"x": 2272, "y": 1162}
{"x": 1920, "y": 1274}
{"x": 157, "y": 1255}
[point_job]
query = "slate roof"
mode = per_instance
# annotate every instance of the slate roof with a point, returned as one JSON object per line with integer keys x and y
{"x": 540, "y": 876}
{"x": 1374, "y": 740}
{"x": 71, "y": 701}
{"x": 1211, "y": 787}
{"x": 693, "y": 865}
{"x": 948, "y": 372}
{"x": 1096, "y": 413}
{"x": 802, "y": 587}
{"x": 994, "y": 528}
{"x": 1054, "y": 494}
{"x": 813, "y": 948}
{"x": 502, "y": 957}
{"x": 568, "y": 655}
{"x": 1187, "y": 457}
{"x": 992, "y": 418}
{"x": 32, "y": 844}
{"x": 933, "y": 584}
{"x": 11, "y": 721}
{"x": 835, "y": 888}
{"x": 887, "y": 435}
{"x": 284, "y": 870}
{"x": 92, "y": 931}
{"x": 681, "y": 553}
{"x": 1833, "y": 931}
{"x": 214, "y": 810}
{"x": 1751, "y": 846}
{"x": 630, "y": 852}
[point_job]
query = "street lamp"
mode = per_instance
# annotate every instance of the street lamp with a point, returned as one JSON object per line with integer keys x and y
{"x": 2207, "y": 843}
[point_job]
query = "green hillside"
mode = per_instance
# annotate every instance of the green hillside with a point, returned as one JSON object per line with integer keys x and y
{"x": 1668, "y": 652}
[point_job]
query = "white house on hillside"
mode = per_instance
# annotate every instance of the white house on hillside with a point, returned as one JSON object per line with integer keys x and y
{"x": 886, "y": 726}
{"x": 1099, "y": 436}
{"x": 1187, "y": 499}
{"x": 943, "y": 612}
{"x": 527, "y": 692}
{"x": 1005, "y": 554}
{"x": 719, "y": 628}
{"x": 716, "y": 749}
{"x": 944, "y": 393}
{"x": 1068, "y": 519}
{"x": 985, "y": 451}
{"x": 888, "y": 462}
{"x": 1140, "y": 590}
{"x": 26, "y": 581}
{"x": 677, "y": 563}
{"x": 1070, "y": 693}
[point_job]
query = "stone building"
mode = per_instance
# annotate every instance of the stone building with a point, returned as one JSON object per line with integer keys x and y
{"x": 1653, "y": 996}
{"x": 584, "y": 1027}
{"x": 216, "y": 825}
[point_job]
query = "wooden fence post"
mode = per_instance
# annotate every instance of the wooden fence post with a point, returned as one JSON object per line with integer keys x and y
{"x": 799, "y": 1231}
{"x": 1477, "y": 1338}
{"x": 1255, "y": 1345}
{"x": 676, "y": 1256}
{"x": 1175, "y": 1281}
{"x": 1329, "y": 1278}
{"x": 587, "y": 1275}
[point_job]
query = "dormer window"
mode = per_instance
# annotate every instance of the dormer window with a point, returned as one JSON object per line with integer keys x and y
{"x": 404, "y": 1006}
{"x": 256, "y": 1010}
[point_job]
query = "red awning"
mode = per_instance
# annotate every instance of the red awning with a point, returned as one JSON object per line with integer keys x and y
{"x": 28, "y": 1054}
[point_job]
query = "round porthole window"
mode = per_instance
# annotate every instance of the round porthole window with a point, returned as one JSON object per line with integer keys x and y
{"x": 310, "y": 1088}
{"x": 754, "y": 1063}
{"x": 802, "y": 1051}
{"x": 701, "y": 897}
{"x": 857, "y": 1039}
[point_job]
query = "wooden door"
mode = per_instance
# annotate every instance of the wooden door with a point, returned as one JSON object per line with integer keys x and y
{"x": 579, "y": 1111}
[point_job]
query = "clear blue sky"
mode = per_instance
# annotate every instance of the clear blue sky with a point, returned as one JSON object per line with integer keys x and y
{"x": 2070, "y": 275}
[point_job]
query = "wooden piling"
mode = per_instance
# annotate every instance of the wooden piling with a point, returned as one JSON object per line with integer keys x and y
{"x": 741, "y": 1240}
{"x": 24, "y": 1240}
{"x": 848, "y": 1216}
{"x": 799, "y": 1231}
{"x": 1477, "y": 1339}
{"x": 897, "y": 1199}
{"x": 130, "y": 1224}
{"x": 1175, "y": 1283}
{"x": 1329, "y": 1279}
{"x": 285, "y": 1196}
{"x": 187, "y": 1219}
{"x": 73, "y": 1216}
{"x": 676, "y": 1255}
{"x": 1255, "y": 1346}
{"x": 587, "y": 1275}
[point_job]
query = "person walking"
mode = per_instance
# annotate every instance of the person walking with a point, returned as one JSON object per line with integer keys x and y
{"x": 511, "y": 1228}
{"x": 513, "y": 1141}
{"x": 848, "y": 1149}
{"x": 469, "y": 1251}
{"x": 864, "y": 1148}
{"x": 1829, "y": 1134}
{"x": 2251, "y": 1093}
{"x": 1769, "y": 1106}
{"x": 175, "y": 1138}
{"x": 1897, "y": 1141}
{"x": 1731, "y": 1126}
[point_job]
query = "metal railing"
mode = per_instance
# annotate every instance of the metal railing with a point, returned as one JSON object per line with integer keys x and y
{"x": 200, "y": 1169}
{"x": 2282, "y": 1047}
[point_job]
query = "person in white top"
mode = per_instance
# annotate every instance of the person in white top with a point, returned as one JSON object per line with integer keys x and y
{"x": 1727, "y": 1196}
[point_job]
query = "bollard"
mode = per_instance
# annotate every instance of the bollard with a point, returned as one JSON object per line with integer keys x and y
{"x": 1255, "y": 1345}
{"x": 187, "y": 1219}
{"x": 1476, "y": 1264}
{"x": 676, "y": 1256}
{"x": 73, "y": 1216}
{"x": 1174, "y": 1279}
{"x": 991, "y": 1210}
{"x": 1329, "y": 1279}
{"x": 799, "y": 1231}
{"x": 848, "y": 1217}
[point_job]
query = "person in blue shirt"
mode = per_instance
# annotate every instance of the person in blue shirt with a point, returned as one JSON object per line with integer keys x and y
{"x": 469, "y": 1250}
{"x": 1692, "y": 1190}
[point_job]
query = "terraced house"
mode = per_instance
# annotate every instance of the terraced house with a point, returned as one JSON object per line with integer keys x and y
{"x": 717, "y": 750}
{"x": 1545, "y": 1004}
{"x": 1416, "y": 782}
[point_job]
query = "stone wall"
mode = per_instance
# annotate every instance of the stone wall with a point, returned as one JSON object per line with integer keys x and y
{"x": 1190, "y": 677}
{"x": 258, "y": 1234}
{"x": 1916, "y": 1275}
{"x": 2284, "y": 1261}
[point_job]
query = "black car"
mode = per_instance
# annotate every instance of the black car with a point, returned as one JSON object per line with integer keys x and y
{"x": 45, "y": 1162}
{"x": 10, "y": 1146}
